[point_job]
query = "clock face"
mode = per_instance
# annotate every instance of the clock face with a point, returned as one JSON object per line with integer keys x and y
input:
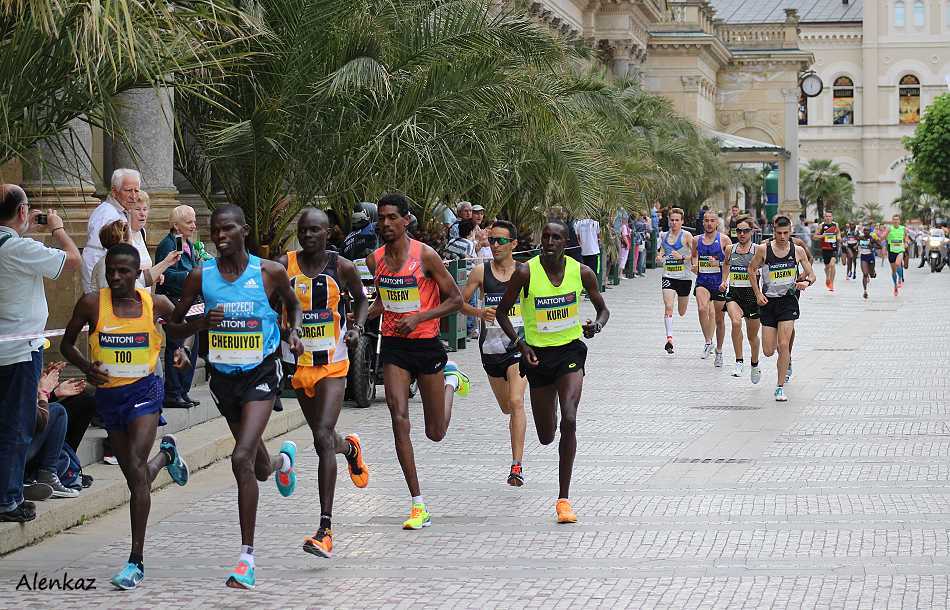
{"x": 812, "y": 85}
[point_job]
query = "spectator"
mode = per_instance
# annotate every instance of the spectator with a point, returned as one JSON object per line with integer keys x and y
{"x": 49, "y": 433}
{"x": 588, "y": 236}
{"x": 697, "y": 228}
{"x": 463, "y": 246}
{"x": 655, "y": 215}
{"x": 464, "y": 212}
{"x": 478, "y": 215}
{"x": 626, "y": 245}
{"x": 665, "y": 219}
{"x": 643, "y": 231}
{"x": 24, "y": 263}
{"x": 117, "y": 206}
{"x": 802, "y": 232}
{"x": 183, "y": 223}
{"x": 117, "y": 232}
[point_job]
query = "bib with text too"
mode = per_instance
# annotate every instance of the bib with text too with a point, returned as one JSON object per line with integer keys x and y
{"x": 556, "y": 313}
{"x": 237, "y": 340}
{"x": 318, "y": 329}
{"x": 400, "y": 293}
{"x": 492, "y": 299}
{"x": 125, "y": 355}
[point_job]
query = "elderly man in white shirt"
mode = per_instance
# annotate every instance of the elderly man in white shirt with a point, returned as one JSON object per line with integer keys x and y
{"x": 24, "y": 263}
{"x": 126, "y": 184}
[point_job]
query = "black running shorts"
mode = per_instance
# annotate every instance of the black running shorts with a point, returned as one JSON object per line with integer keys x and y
{"x": 828, "y": 255}
{"x": 498, "y": 367}
{"x": 554, "y": 362}
{"x": 418, "y": 356}
{"x": 892, "y": 256}
{"x": 779, "y": 309}
{"x": 682, "y": 287}
{"x": 745, "y": 299}
{"x": 232, "y": 392}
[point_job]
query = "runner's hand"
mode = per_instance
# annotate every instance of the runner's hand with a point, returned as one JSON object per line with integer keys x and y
{"x": 70, "y": 387}
{"x": 528, "y": 354}
{"x": 296, "y": 345}
{"x": 352, "y": 338}
{"x": 181, "y": 360}
{"x": 488, "y": 314}
{"x": 591, "y": 328}
{"x": 722, "y": 287}
{"x": 407, "y": 324}
{"x": 694, "y": 269}
{"x": 802, "y": 285}
{"x": 96, "y": 375}
{"x": 214, "y": 317}
{"x": 762, "y": 300}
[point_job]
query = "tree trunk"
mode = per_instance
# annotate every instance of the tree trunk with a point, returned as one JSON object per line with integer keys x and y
{"x": 821, "y": 208}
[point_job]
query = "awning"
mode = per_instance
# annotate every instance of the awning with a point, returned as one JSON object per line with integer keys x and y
{"x": 729, "y": 143}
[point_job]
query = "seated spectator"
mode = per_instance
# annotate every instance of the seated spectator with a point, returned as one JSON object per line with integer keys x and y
{"x": 49, "y": 433}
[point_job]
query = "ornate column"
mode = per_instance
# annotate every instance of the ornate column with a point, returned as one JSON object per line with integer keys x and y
{"x": 790, "y": 203}
{"x": 147, "y": 116}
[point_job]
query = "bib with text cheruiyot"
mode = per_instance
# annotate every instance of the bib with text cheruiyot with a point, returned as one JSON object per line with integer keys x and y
{"x": 492, "y": 299}
{"x": 400, "y": 293}
{"x": 739, "y": 276}
{"x": 674, "y": 265}
{"x": 709, "y": 264}
{"x": 237, "y": 340}
{"x": 782, "y": 273}
{"x": 125, "y": 355}
{"x": 318, "y": 333}
{"x": 556, "y": 313}
{"x": 362, "y": 269}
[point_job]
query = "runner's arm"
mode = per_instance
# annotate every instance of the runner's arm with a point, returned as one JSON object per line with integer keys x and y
{"x": 519, "y": 279}
{"x": 757, "y": 259}
{"x": 85, "y": 312}
{"x": 176, "y": 327}
{"x": 354, "y": 286}
{"x": 589, "y": 280}
{"x": 281, "y": 282}
{"x": 726, "y": 248}
{"x": 809, "y": 275}
{"x": 448, "y": 291}
{"x": 162, "y": 309}
{"x": 473, "y": 283}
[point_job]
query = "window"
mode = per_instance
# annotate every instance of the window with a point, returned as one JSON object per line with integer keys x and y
{"x": 920, "y": 14}
{"x": 909, "y": 100}
{"x": 802, "y": 109}
{"x": 843, "y": 101}
{"x": 900, "y": 19}
{"x": 946, "y": 16}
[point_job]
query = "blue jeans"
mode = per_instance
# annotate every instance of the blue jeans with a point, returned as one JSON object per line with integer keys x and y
{"x": 18, "y": 383}
{"x": 48, "y": 444}
{"x": 642, "y": 261}
{"x": 178, "y": 381}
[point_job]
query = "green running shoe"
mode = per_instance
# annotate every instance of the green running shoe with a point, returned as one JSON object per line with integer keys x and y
{"x": 419, "y": 518}
{"x": 287, "y": 481}
{"x": 465, "y": 384}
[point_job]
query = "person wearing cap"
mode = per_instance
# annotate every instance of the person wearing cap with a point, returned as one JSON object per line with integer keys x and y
{"x": 478, "y": 215}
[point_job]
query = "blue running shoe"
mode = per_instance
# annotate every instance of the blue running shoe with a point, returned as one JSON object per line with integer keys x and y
{"x": 287, "y": 481}
{"x": 128, "y": 578}
{"x": 177, "y": 467}
{"x": 242, "y": 577}
{"x": 780, "y": 394}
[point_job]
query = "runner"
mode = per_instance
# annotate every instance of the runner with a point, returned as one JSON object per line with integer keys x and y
{"x": 850, "y": 250}
{"x": 675, "y": 246}
{"x": 708, "y": 253}
{"x": 319, "y": 279}
{"x": 867, "y": 244}
{"x": 498, "y": 358}
{"x": 124, "y": 343}
{"x": 552, "y": 355}
{"x": 415, "y": 291}
{"x": 829, "y": 232}
{"x": 240, "y": 292}
{"x": 778, "y": 295}
{"x": 895, "y": 235}
{"x": 740, "y": 300}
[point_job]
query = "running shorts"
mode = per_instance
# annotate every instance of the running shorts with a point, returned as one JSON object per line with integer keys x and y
{"x": 118, "y": 406}
{"x": 498, "y": 367}
{"x": 828, "y": 255}
{"x": 779, "y": 309}
{"x": 554, "y": 362}
{"x": 306, "y": 378}
{"x": 682, "y": 287}
{"x": 869, "y": 259}
{"x": 714, "y": 292}
{"x": 232, "y": 392}
{"x": 418, "y": 356}
{"x": 746, "y": 300}
{"x": 892, "y": 256}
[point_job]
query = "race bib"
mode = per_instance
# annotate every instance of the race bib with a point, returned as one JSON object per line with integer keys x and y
{"x": 318, "y": 335}
{"x": 895, "y": 241}
{"x": 739, "y": 278}
{"x": 852, "y": 240}
{"x": 400, "y": 293}
{"x": 709, "y": 264}
{"x": 674, "y": 265}
{"x": 236, "y": 341}
{"x": 831, "y": 238}
{"x": 125, "y": 355}
{"x": 514, "y": 314}
{"x": 865, "y": 247}
{"x": 362, "y": 269}
{"x": 557, "y": 313}
{"x": 782, "y": 276}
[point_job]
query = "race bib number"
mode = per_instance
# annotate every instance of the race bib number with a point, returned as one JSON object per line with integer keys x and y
{"x": 514, "y": 314}
{"x": 709, "y": 264}
{"x": 125, "y": 355}
{"x": 557, "y": 313}
{"x": 865, "y": 247}
{"x": 831, "y": 238}
{"x": 782, "y": 275}
{"x": 895, "y": 242}
{"x": 236, "y": 341}
{"x": 674, "y": 265}
{"x": 362, "y": 269}
{"x": 400, "y": 293}
{"x": 852, "y": 240}
{"x": 318, "y": 331}
{"x": 739, "y": 278}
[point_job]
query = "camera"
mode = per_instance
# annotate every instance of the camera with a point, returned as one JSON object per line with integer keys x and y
{"x": 42, "y": 219}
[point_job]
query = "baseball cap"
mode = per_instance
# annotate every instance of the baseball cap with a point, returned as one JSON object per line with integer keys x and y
{"x": 478, "y": 208}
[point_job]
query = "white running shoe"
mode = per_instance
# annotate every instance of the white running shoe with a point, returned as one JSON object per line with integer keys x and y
{"x": 718, "y": 361}
{"x": 780, "y": 394}
{"x": 707, "y": 349}
{"x": 740, "y": 369}
{"x": 756, "y": 374}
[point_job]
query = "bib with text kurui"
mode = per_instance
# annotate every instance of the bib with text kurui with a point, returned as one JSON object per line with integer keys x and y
{"x": 237, "y": 340}
{"x": 400, "y": 293}
{"x": 124, "y": 355}
{"x": 318, "y": 333}
{"x": 514, "y": 314}
{"x": 556, "y": 313}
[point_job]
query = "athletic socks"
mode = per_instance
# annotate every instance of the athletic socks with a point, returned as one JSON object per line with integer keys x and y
{"x": 754, "y": 364}
{"x": 418, "y": 500}
{"x": 285, "y": 463}
{"x": 247, "y": 554}
{"x": 136, "y": 558}
{"x": 894, "y": 278}
{"x": 325, "y": 522}
{"x": 900, "y": 273}
{"x": 668, "y": 322}
{"x": 740, "y": 361}
{"x": 452, "y": 380}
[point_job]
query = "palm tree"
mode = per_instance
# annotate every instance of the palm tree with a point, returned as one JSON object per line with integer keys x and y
{"x": 916, "y": 201}
{"x": 822, "y": 183}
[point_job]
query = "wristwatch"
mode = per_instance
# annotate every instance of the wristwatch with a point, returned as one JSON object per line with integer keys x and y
{"x": 359, "y": 327}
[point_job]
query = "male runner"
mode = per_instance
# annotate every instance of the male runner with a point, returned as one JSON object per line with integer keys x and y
{"x": 124, "y": 343}
{"x": 829, "y": 232}
{"x": 740, "y": 300}
{"x": 415, "y": 291}
{"x": 552, "y": 355}
{"x": 867, "y": 244}
{"x": 499, "y": 359}
{"x": 708, "y": 253}
{"x": 850, "y": 250}
{"x": 242, "y": 295}
{"x": 319, "y": 279}
{"x": 896, "y": 237}
{"x": 779, "y": 259}
{"x": 675, "y": 247}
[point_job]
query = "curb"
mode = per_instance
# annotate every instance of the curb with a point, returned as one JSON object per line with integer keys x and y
{"x": 202, "y": 446}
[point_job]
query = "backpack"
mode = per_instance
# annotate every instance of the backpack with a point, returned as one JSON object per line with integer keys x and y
{"x": 68, "y": 468}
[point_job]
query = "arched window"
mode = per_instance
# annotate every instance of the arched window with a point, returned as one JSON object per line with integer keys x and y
{"x": 900, "y": 16}
{"x": 843, "y": 101}
{"x": 909, "y": 100}
{"x": 920, "y": 14}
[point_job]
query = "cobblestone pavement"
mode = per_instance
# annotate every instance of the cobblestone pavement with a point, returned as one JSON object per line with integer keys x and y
{"x": 694, "y": 489}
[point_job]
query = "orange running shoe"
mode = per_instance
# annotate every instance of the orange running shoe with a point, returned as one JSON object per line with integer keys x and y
{"x": 565, "y": 514}
{"x": 320, "y": 544}
{"x": 359, "y": 471}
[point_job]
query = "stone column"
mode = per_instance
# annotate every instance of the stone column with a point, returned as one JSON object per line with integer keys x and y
{"x": 790, "y": 203}
{"x": 147, "y": 117}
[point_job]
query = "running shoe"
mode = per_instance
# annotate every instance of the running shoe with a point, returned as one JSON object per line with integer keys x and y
{"x": 452, "y": 370}
{"x": 788, "y": 373}
{"x": 780, "y": 394}
{"x": 516, "y": 476}
{"x": 359, "y": 471}
{"x": 740, "y": 369}
{"x": 669, "y": 346}
{"x": 242, "y": 577}
{"x": 177, "y": 467}
{"x": 286, "y": 481}
{"x": 718, "y": 361}
{"x": 128, "y": 578}
{"x": 419, "y": 518}
{"x": 565, "y": 514}
{"x": 320, "y": 544}
{"x": 110, "y": 459}
{"x": 756, "y": 374}
{"x": 707, "y": 349}
{"x": 895, "y": 291}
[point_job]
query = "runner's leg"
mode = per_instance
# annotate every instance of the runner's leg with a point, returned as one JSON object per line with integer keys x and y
{"x": 719, "y": 311}
{"x": 735, "y": 318}
{"x": 322, "y": 412}
{"x": 769, "y": 337}
{"x": 752, "y": 330}
{"x": 569, "y": 389}
{"x": 510, "y": 396}
{"x": 437, "y": 398}
{"x": 396, "y": 380}
{"x": 706, "y": 315}
{"x": 250, "y": 462}
{"x": 786, "y": 330}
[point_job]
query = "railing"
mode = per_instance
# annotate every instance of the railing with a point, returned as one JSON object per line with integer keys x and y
{"x": 757, "y": 36}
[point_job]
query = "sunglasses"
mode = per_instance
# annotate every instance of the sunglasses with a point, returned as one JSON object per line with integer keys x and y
{"x": 743, "y": 230}
{"x": 504, "y": 241}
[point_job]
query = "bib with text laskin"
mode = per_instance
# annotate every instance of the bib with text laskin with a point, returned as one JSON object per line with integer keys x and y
{"x": 556, "y": 313}
{"x": 124, "y": 355}
{"x": 400, "y": 293}
{"x": 514, "y": 314}
{"x": 782, "y": 273}
{"x": 318, "y": 333}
